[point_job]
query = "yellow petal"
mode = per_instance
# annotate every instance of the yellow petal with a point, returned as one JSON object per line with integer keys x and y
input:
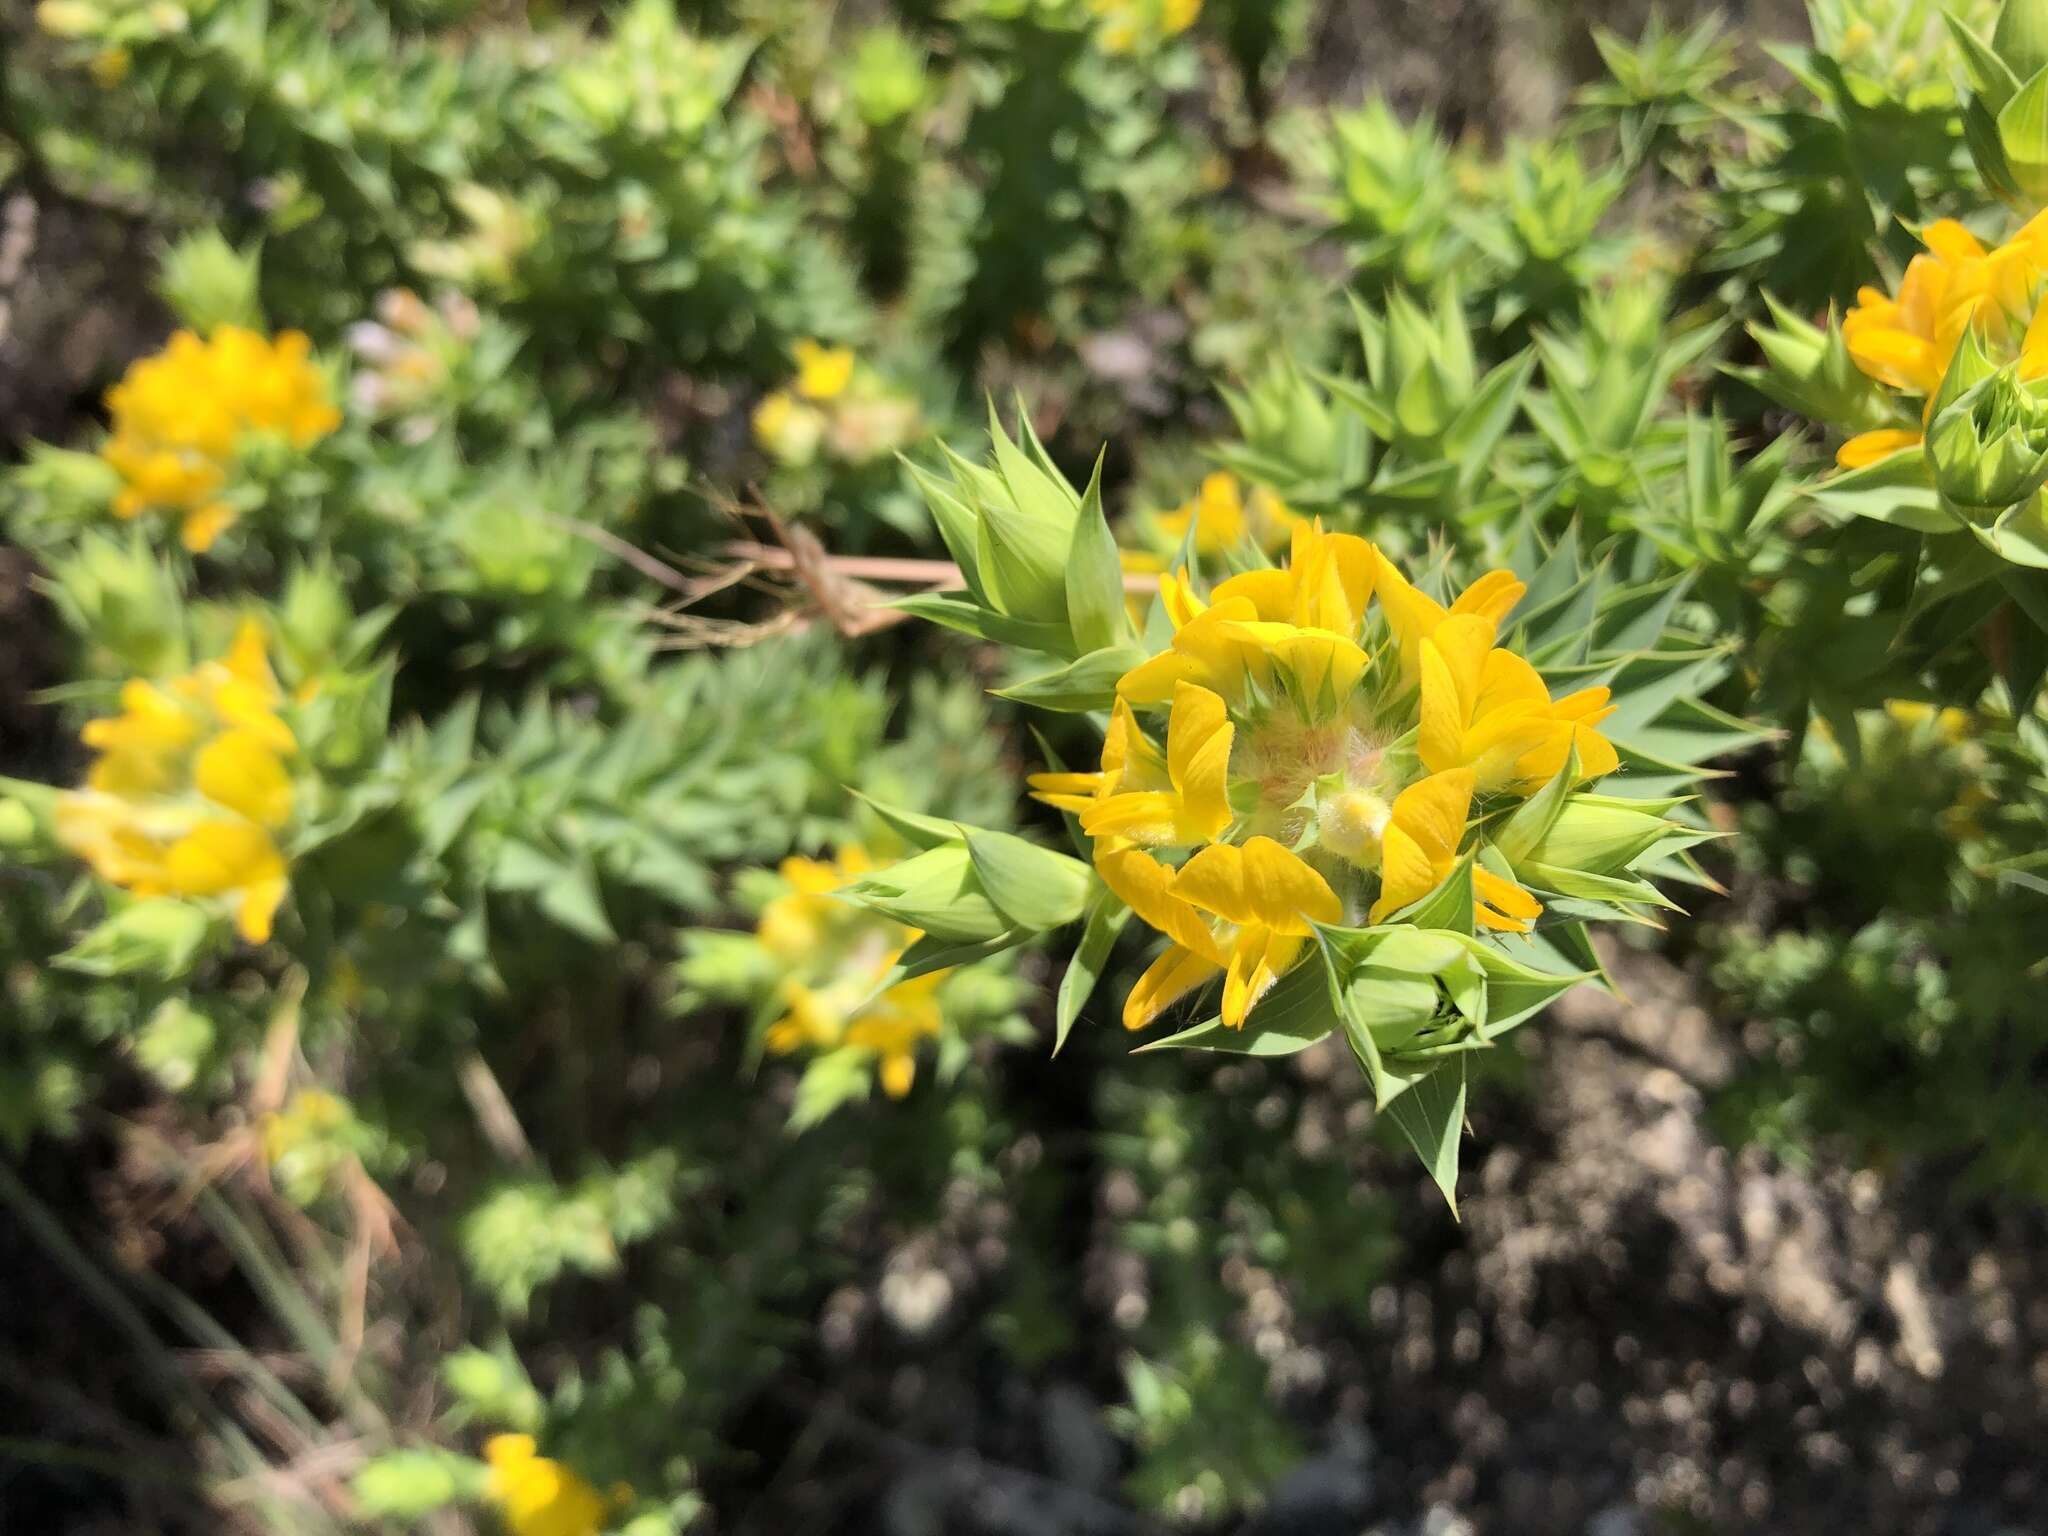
{"x": 1869, "y": 447}
{"x": 899, "y": 1071}
{"x": 1502, "y": 904}
{"x": 1326, "y": 668}
{"x": 1198, "y": 740}
{"x": 258, "y": 909}
{"x": 1433, "y": 810}
{"x": 220, "y": 855}
{"x": 238, "y": 769}
{"x": 822, "y": 372}
{"x": 1492, "y": 597}
{"x": 1166, "y": 981}
{"x": 1177, "y": 595}
{"x": 1407, "y": 874}
{"x": 1257, "y": 960}
{"x": 204, "y": 525}
{"x": 1259, "y": 883}
{"x": 1145, "y": 885}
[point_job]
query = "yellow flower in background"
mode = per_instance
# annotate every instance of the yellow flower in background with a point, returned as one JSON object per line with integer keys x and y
{"x": 181, "y": 416}
{"x": 787, "y": 428}
{"x": 189, "y": 787}
{"x": 1223, "y": 517}
{"x": 1128, "y": 25}
{"x": 834, "y": 955}
{"x": 822, "y": 372}
{"x": 1331, "y": 738}
{"x": 538, "y": 1496}
{"x": 894, "y": 1024}
{"x": 1906, "y": 341}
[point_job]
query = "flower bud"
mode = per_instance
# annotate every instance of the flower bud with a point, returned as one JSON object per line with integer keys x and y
{"x": 313, "y": 618}
{"x": 1989, "y": 448}
{"x": 19, "y": 829}
{"x": 1808, "y": 370}
{"x": 208, "y": 283}
{"x": 1597, "y": 835}
{"x": 120, "y": 598}
{"x": 936, "y": 891}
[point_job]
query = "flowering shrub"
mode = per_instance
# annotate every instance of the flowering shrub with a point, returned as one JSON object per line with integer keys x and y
{"x": 181, "y": 418}
{"x": 190, "y": 787}
{"x": 645, "y": 880}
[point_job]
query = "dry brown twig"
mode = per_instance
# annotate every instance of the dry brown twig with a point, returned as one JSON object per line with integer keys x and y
{"x": 850, "y": 592}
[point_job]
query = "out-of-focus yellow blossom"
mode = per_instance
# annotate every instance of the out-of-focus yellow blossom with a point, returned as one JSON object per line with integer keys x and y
{"x": 822, "y": 372}
{"x": 787, "y": 428}
{"x": 1128, "y": 25}
{"x": 834, "y": 955}
{"x": 1906, "y": 341}
{"x": 110, "y": 67}
{"x": 539, "y": 1496}
{"x": 1329, "y": 729}
{"x": 181, "y": 416}
{"x": 1952, "y": 725}
{"x": 1224, "y": 517}
{"x": 189, "y": 786}
{"x": 892, "y": 1026}
{"x": 836, "y": 404}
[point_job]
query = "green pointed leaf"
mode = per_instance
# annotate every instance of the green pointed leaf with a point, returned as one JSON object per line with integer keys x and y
{"x": 917, "y": 830}
{"x": 951, "y": 612}
{"x": 1449, "y": 906}
{"x": 1431, "y": 1115}
{"x": 1289, "y": 1019}
{"x": 1080, "y": 687}
{"x": 1107, "y": 916}
{"x": 1095, "y": 577}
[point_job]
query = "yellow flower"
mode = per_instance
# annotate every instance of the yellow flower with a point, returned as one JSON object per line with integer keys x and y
{"x": 893, "y": 1025}
{"x": 1182, "y": 799}
{"x": 822, "y": 372}
{"x": 787, "y": 428}
{"x": 1268, "y": 896}
{"x": 793, "y": 926}
{"x": 1414, "y": 615}
{"x": 180, "y": 417}
{"x": 835, "y": 954}
{"x": 1304, "y": 773}
{"x": 189, "y": 786}
{"x": 1129, "y": 23}
{"x": 538, "y": 1496}
{"x": 110, "y": 66}
{"x": 1223, "y": 519}
{"x": 1420, "y": 846}
{"x": 1907, "y": 342}
{"x": 1487, "y": 709}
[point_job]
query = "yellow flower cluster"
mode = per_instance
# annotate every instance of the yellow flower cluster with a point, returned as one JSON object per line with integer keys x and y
{"x": 1225, "y": 518}
{"x": 181, "y": 416}
{"x": 190, "y": 787}
{"x": 1129, "y": 24}
{"x": 845, "y": 951}
{"x": 1329, "y": 729}
{"x": 539, "y": 1496}
{"x": 1907, "y": 341}
{"x": 835, "y": 404}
